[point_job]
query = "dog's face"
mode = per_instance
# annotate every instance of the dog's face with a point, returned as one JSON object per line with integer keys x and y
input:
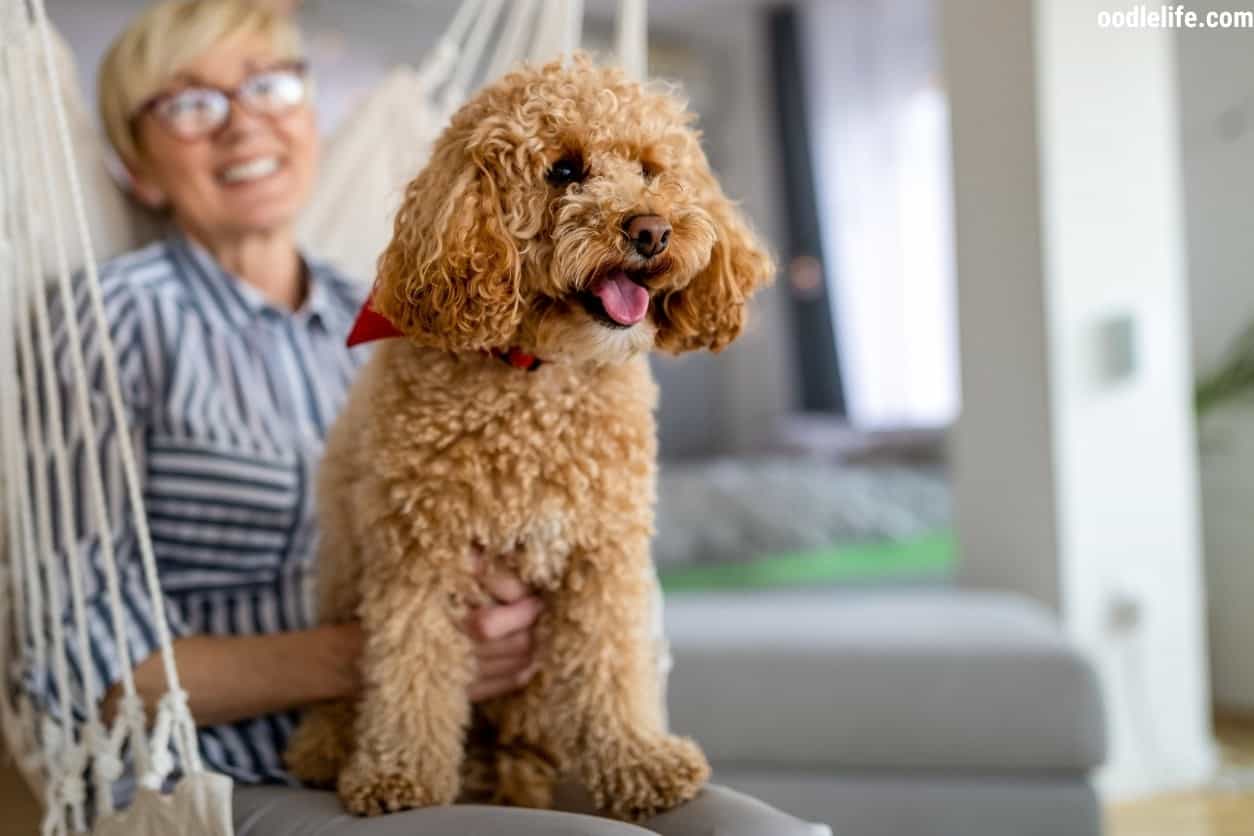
{"x": 568, "y": 212}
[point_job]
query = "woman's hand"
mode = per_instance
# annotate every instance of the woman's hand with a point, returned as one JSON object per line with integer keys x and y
{"x": 501, "y": 631}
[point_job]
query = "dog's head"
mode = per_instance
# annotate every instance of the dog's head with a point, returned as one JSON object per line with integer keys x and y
{"x": 571, "y": 213}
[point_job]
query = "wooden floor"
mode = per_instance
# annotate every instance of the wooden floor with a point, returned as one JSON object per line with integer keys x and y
{"x": 1225, "y": 810}
{"x": 19, "y": 812}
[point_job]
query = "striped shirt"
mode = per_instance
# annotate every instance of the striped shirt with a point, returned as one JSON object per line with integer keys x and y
{"x": 229, "y": 399}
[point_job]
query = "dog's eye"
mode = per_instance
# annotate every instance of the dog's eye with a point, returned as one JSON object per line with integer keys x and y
{"x": 566, "y": 170}
{"x": 649, "y": 170}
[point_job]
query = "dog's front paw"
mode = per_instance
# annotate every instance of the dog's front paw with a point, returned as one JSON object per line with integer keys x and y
{"x": 649, "y": 777}
{"x": 366, "y": 790}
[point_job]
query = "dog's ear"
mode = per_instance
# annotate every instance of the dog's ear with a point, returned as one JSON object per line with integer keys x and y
{"x": 450, "y": 277}
{"x": 710, "y": 311}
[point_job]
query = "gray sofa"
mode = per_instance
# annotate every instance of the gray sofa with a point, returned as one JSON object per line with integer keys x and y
{"x": 908, "y": 712}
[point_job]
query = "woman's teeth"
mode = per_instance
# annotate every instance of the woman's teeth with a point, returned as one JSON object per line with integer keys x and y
{"x": 251, "y": 170}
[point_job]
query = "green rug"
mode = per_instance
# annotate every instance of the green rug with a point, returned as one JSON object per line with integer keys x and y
{"x": 927, "y": 558}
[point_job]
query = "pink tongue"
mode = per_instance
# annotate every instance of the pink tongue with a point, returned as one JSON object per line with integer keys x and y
{"x": 625, "y": 301}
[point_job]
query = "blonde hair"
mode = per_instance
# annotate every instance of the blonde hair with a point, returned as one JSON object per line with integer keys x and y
{"x": 163, "y": 41}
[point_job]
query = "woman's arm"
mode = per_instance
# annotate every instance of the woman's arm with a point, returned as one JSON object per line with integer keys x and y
{"x": 230, "y": 678}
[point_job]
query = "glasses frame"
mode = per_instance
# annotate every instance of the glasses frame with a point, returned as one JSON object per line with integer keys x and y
{"x": 232, "y": 94}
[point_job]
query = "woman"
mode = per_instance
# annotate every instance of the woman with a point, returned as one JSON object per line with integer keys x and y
{"x": 230, "y": 347}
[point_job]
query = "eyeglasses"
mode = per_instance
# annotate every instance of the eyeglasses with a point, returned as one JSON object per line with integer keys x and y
{"x": 200, "y": 111}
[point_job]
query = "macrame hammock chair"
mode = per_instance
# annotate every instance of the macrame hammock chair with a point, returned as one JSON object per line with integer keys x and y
{"x": 59, "y": 212}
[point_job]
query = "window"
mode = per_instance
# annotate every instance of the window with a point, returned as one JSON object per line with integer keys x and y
{"x": 879, "y": 123}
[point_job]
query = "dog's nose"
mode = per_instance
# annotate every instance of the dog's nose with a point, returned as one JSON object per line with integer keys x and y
{"x": 649, "y": 234}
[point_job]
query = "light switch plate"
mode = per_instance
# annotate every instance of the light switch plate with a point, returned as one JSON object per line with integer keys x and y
{"x": 1117, "y": 355}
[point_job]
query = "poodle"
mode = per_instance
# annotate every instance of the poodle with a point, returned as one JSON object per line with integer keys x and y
{"x": 566, "y": 224}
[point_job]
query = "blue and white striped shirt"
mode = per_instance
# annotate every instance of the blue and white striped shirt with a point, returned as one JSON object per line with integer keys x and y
{"x": 229, "y": 400}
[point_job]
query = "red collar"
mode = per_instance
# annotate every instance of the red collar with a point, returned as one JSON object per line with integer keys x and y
{"x": 518, "y": 358}
{"x": 371, "y": 325}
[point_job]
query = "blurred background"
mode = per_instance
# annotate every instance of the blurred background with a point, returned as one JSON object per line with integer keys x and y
{"x": 956, "y": 539}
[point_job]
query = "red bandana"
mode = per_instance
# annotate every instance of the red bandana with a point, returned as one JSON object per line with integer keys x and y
{"x": 371, "y": 325}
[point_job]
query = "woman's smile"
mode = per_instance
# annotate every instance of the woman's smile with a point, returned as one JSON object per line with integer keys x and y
{"x": 250, "y": 170}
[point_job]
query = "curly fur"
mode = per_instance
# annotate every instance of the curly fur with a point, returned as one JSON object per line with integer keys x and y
{"x": 442, "y": 446}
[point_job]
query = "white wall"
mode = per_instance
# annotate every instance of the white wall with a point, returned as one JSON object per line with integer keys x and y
{"x": 1072, "y": 486}
{"x": 1216, "y": 76}
{"x": 1003, "y": 449}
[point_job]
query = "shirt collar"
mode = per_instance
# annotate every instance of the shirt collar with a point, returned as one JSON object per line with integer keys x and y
{"x": 321, "y": 303}
{"x": 237, "y": 303}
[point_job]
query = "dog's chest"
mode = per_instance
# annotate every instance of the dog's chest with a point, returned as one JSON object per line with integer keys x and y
{"x": 572, "y": 468}
{"x": 545, "y": 463}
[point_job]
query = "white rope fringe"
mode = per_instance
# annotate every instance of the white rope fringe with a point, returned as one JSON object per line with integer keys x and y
{"x": 52, "y": 751}
{"x": 185, "y": 735}
{"x": 55, "y": 442}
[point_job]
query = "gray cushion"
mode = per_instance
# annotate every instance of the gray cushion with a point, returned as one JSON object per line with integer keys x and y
{"x": 902, "y": 679}
{"x": 931, "y": 803}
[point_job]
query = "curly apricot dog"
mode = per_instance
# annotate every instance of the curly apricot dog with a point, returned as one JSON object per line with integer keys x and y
{"x": 567, "y": 224}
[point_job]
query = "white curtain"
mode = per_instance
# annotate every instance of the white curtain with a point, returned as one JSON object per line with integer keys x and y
{"x": 879, "y": 123}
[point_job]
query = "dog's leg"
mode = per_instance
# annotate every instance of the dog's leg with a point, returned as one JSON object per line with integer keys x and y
{"x": 413, "y": 714}
{"x": 595, "y": 700}
{"x": 323, "y": 741}
{"x": 321, "y": 744}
